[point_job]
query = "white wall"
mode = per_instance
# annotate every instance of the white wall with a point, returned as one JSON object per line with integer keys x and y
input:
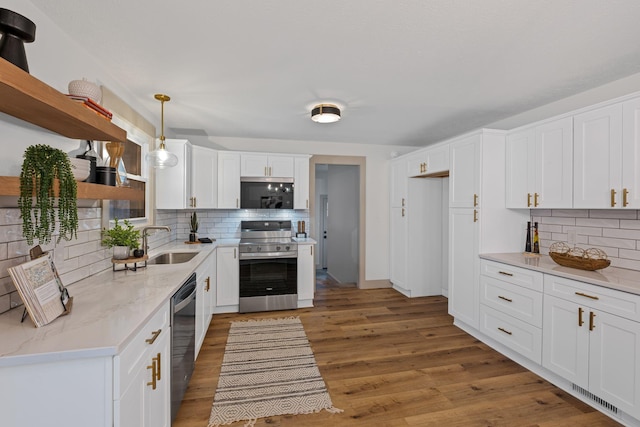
{"x": 376, "y": 186}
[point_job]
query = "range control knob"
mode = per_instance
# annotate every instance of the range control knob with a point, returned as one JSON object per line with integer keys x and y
{"x": 258, "y": 248}
{"x": 287, "y": 248}
{"x": 278, "y": 248}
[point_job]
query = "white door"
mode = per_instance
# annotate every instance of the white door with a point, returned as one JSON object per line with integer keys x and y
{"x": 398, "y": 247}
{"x": 228, "y": 276}
{"x": 554, "y": 165}
{"x": 464, "y": 180}
{"x": 464, "y": 269}
{"x": 614, "y": 372}
{"x": 597, "y": 158}
{"x": 204, "y": 177}
{"x": 306, "y": 273}
{"x": 631, "y": 155}
{"x": 565, "y": 335}
{"x": 228, "y": 180}
{"x": 520, "y": 154}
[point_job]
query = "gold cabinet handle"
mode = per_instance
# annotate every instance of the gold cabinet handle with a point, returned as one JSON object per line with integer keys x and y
{"x": 475, "y": 200}
{"x": 265, "y": 171}
{"x": 475, "y": 215}
{"x": 535, "y": 200}
{"x": 403, "y": 212}
{"x": 528, "y": 200}
{"x": 625, "y": 195}
{"x": 613, "y": 197}
{"x": 234, "y": 253}
{"x": 580, "y": 313}
{"x": 505, "y": 331}
{"x": 154, "y": 336}
{"x": 504, "y": 273}
{"x": 505, "y": 298}
{"x": 582, "y": 294}
{"x": 592, "y": 316}
{"x": 159, "y": 369}
{"x": 311, "y": 250}
{"x": 307, "y": 203}
{"x": 403, "y": 202}
{"x": 208, "y": 281}
{"x": 154, "y": 373}
{"x": 237, "y": 203}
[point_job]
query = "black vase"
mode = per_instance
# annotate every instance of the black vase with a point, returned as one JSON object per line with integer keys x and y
{"x": 17, "y": 30}
{"x": 192, "y": 237}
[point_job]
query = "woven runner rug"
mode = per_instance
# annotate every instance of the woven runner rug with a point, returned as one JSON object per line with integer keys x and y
{"x": 268, "y": 369}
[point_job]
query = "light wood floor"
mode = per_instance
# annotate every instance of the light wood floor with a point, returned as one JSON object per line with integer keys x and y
{"x": 392, "y": 361}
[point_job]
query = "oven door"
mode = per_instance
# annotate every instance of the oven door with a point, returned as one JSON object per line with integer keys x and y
{"x": 263, "y": 276}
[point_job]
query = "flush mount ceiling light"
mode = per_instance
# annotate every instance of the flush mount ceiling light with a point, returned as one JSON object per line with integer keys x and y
{"x": 161, "y": 158}
{"x": 325, "y": 113}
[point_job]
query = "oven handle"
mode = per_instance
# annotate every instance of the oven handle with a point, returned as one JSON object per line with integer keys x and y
{"x": 245, "y": 256}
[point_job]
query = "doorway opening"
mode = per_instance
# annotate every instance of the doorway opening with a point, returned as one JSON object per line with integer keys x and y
{"x": 336, "y": 215}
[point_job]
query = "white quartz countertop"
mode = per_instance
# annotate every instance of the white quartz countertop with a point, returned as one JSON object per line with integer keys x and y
{"x": 109, "y": 308}
{"x": 611, "y": 277}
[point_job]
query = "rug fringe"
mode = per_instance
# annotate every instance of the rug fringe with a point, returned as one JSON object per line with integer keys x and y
{"x": 251, "y": 422}
{"x": 266, "y": 320}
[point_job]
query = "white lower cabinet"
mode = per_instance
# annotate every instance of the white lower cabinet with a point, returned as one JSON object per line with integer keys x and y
{"x": 227, "y": 279}
{"x": 142, "y": 376}
{"x": 204, "y": 277}
{"x": 511, "y": 307}
{"x": 306, "y": 275}
{"x": 592, "y": 339}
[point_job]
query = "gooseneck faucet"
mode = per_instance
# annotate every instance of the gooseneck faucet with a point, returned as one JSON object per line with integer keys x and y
{"x": 145, "y": 247}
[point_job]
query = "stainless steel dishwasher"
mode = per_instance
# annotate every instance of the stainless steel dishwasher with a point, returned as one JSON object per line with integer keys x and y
{"x": 183, "y": 341}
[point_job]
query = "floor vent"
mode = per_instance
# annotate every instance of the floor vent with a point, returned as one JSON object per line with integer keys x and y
{"x": 601, "y": 402}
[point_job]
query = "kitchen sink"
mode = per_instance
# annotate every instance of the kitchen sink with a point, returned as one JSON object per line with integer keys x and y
{"x": 172, "y": 258}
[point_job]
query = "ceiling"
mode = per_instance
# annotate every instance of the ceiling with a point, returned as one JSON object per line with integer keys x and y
{"x": 404, "y": 72}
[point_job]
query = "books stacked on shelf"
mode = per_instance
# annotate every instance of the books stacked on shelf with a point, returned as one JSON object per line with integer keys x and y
{"x": 91, "y": 104}
{"x": 38, "y": 283}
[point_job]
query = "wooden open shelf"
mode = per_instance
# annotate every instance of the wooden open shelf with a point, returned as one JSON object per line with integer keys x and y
{"x": 27, "y": 98}
{"x": 10, "y": 186}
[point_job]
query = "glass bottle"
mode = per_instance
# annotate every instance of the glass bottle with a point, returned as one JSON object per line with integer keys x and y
{"x": 527, "y": 245}
{"x": 536, "y": 240}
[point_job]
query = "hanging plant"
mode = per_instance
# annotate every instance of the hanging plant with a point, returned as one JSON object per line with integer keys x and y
{"x": 41, "y": 166}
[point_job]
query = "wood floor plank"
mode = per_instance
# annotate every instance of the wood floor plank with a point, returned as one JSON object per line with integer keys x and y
{"x": 392, "y": 361}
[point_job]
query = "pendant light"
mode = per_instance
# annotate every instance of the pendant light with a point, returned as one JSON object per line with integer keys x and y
{"x": 325, "y": 113}
{"x": 161, "y": 158}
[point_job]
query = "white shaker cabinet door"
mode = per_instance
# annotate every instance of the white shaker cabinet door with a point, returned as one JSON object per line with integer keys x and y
{"x": 520, "y": 153}
{"x": 464, "y": 266}
{"x": 204, "y": 177}
{"x": 631, "y": 155}
{"x": 306, "y": 275}
{"x": 228, "y": 180}
{"x": 228, "y": 276}
{"x": 301, "y": 183}
{"x": 553, "y": 166}
{"x": 597, "y": 160}
{"x": 464, "y": 178}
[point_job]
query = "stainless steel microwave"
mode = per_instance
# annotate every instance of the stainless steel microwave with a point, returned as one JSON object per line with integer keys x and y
{"x": 266, "y": 193}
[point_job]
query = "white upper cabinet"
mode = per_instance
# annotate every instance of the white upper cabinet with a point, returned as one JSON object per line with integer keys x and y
{"x": 263, "y": 165}
{"x": 228, "y": 180}
{"x": 539, "y": 166}
{"x": 398, "y": 183}
{"x": 173, "y": 185}
{"x": 598, "y": 158}
{"x": 301, "y": 183}
{"x": 464, "y": 182}
{"x": 631, "y": 154}
{"x": 204, "y": 178}
{"x": 432, "y": 162}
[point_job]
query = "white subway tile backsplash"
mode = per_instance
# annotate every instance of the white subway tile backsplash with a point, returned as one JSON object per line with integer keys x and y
{"x": 617, "y": 232}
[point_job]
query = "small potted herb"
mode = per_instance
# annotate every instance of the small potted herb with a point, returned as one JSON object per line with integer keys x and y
{"x": 194, "y": 227}
{"x": 121, "y": 238}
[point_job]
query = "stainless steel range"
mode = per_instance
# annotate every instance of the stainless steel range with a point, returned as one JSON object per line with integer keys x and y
{"x": 268, "y": 266}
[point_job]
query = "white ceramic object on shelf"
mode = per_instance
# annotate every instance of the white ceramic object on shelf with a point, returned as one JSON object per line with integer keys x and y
{"x": 85, "y": 88}
{"x": 81, "y": 168}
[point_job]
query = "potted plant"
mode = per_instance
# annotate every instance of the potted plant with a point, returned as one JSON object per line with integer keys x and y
{"x": 42, "y": 166}
{"x": 121, "y": 238}
{"x": 194, "y": 227}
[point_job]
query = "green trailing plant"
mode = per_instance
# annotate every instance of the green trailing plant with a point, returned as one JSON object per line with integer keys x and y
{"x": 42, "y": 165}
{"x": 121, "y": 236}
{"x": 194, "y": 223}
